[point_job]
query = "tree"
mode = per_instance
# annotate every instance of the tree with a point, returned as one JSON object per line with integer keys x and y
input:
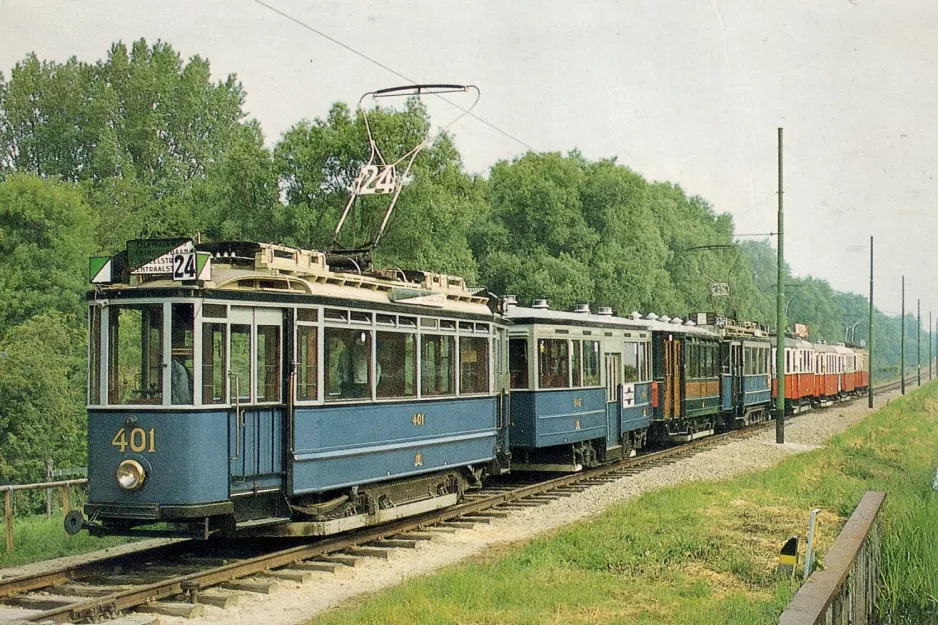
{"x": 42, "y": 365}
{"x": 45, "y": 240}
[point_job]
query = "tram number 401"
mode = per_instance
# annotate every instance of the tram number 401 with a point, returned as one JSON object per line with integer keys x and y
{"x": 419, "y": 419}
{"x": 138, "y": 440}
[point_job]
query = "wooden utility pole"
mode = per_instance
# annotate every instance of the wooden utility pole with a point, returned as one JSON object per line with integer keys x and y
{"x": 918, "y": 342}
{"x": 869, "y": 390}
{"x": 780, "y": 322}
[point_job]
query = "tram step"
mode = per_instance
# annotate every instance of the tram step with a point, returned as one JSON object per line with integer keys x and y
{"x": 262, "y": 522}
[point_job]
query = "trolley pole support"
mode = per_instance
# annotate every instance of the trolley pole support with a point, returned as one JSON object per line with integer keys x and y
{"x": 902, "y": 343}
{"x": 780, "y": 322}
{"x": 869, "y": 390}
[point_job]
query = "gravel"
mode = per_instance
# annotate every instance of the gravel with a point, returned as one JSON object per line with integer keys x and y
{"x": 300, "y": 602}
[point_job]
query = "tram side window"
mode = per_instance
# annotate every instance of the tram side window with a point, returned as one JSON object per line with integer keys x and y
{"x": 590, "y": 363}
{"x": 268, "y": 363}
{"x": 438, "y": 370}
{"x": 348, "y": 364}
{"x": 396, "y": 368}
{"x": 473, "y": 364}
{"x": 577, "y": 363}
{"x": 553, "y": 361}
{"x": 214, "y": 342}
{"x": 240, "y": 354}
{"x": 94, "y": 355}
{"x": 182, "y": 363}
{"x": 135, "y": 354}
{"x": 306, "y": 354}
{"x": 518, "y": 362}
{"x": 630, "y": 356}
{"x": 644, "y": 362}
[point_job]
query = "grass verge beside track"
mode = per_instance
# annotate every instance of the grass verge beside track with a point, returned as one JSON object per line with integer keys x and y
{"x": 704, "y": 553}
{"x": 38, "y": 538}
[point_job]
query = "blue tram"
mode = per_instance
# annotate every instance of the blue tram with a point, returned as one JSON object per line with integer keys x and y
{"x": 580, "y": 387}
{"x": 239, "y": 386}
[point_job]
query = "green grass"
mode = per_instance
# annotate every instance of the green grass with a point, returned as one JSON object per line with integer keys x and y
{"x": 37, "y": 538}
{"x": 703, "y": 553}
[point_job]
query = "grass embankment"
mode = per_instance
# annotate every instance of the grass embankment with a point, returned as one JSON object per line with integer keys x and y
{"x": 37, "y": 538}
{"x": 703, "y": 553}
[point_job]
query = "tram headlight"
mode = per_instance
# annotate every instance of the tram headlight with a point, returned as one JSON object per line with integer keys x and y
{"x": 130, "y": 475}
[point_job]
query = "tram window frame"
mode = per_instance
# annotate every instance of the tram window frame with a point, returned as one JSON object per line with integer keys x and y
{"x": 645, "y": 362}
{"x": 630, "y": 362}
{"x": 519, "y": 372}
{"x": 342, "y": 371}
{"x": 95, "y": 314}
{"x": 592, "y": 375}
{"x": 431, "y": 385}
{"x": 553, "y": 363}
{"x": 386, "y": 377}
{"x": 151, "y": 361}
{"x": 210, "y": 371}
{"x": 242, "y": 371}
{"x": 475, "y": 374}
{"x": 182, "y": 354}
{"x": 576, "y": 363}
{"x": 307, "y": 361}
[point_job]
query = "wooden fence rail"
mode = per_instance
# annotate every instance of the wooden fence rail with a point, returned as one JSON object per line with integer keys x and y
{"x": 64, "y": 487}
{"x": 847, "y": 589}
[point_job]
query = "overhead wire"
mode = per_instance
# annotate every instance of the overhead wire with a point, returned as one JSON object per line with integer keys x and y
{"x": 389, "y": 69}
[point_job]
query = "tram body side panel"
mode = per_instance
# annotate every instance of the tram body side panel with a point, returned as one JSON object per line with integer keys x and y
{"x": 756, "y": 389}
{"x": 184, "y": 454}
{"x": 339, "y": 446}
{"x": 548, "y": 418}
{"x": 637, "y": 409}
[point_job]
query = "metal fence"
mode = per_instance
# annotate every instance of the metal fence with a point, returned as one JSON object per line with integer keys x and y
{"x": 64, "y": 487}
{"x": 847, "y": 589}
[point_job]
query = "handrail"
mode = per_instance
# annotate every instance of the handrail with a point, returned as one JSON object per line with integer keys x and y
{"x": 824, "y": 588}
{"x": 43, "y": 485}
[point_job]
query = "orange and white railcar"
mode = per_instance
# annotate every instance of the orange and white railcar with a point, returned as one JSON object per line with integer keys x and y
{"x": 828, "y": 377}
{"x": 799, "y": 375}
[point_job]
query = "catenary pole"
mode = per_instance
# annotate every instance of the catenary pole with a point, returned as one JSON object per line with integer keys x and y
{"x": 902, "y": 343}
{"x": 869, "y": 340}
{"x": 780, "y": 322}
{"x": 918, "y": 343}
{"x": 929, "y": 345}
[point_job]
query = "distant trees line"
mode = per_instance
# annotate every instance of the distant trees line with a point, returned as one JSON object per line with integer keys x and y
{"x": 144, "y": 143}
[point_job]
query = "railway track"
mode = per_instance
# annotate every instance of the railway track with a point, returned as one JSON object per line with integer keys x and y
{"x": 179, "y": 578}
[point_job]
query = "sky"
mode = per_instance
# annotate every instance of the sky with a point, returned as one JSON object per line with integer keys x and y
{"x": 686, "y": 91}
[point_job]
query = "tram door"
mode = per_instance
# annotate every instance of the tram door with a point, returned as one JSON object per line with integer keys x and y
{"x": 613, "y": 405}
{"x": 736, "y": 366}
{"x": 255, "y": 382}
{"x": 673, "y": 378}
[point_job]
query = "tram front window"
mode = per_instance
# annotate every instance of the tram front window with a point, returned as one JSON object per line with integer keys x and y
{"x": 135, "y": 354}
{"x": 180, "y": 373}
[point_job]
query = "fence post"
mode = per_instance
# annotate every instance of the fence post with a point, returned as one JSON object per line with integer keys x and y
{"x": 8, "y": 517}
{"x": 48, "y": 490}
